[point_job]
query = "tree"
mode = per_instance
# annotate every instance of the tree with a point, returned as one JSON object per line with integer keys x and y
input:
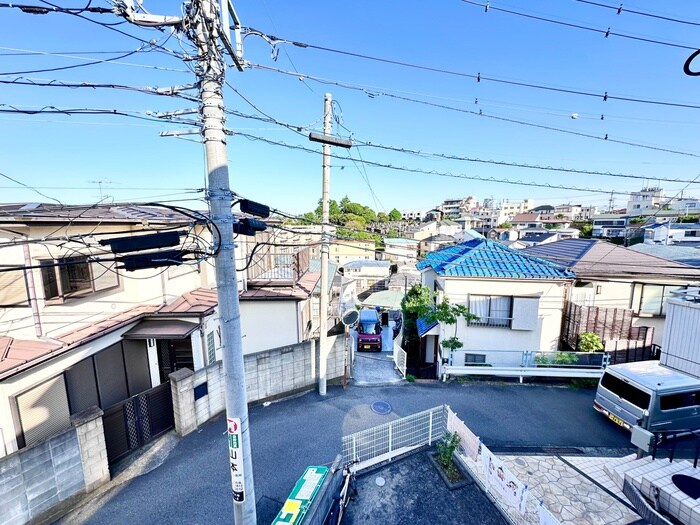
{"x": 395, "y": 215}
{"x": 368, "y": 214}
{"x": 344, "y": 204}
{"x": 382, "y": 217}
{"x": 586, "y": 229}
{"x": 448, "y": 313}
{"x": 505, "y": 225}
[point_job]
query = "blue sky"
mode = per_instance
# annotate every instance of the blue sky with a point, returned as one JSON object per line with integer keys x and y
{"x": 380, "y": 103}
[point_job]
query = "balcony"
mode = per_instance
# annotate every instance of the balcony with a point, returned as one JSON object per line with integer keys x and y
{"x": 277, "y": 265}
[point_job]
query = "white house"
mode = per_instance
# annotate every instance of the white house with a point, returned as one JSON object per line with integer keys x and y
{"x": 679, "y": 233}
{"x": 519, "y": 300}
{"x": 400, "y": 250}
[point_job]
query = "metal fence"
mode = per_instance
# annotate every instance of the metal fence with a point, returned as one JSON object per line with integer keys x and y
{"x": 400, "y": 359}
{"x": 517, "y": 363}
{"x": 385, "y": 442}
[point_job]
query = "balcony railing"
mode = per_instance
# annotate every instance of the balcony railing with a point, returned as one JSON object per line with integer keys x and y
{"x": 277, "y": 266}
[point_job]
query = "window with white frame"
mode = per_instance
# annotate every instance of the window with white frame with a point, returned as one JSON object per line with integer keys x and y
{"x": 76, "y": 277}
{"x": 493, "y": 310}
{"x": 650, "y": 299}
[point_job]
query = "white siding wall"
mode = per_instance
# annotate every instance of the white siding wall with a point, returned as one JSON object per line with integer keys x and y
{"x": 547, "y": 327}
{"x": 682, "y": 337}
{"x": 268, "y": 324}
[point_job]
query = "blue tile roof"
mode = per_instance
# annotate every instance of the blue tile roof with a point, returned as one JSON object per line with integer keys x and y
{"x": 486, "y": 258}
{"x": 424, "y": 326}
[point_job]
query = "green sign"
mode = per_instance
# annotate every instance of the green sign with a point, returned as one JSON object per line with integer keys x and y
{"x": 301, "y": 497}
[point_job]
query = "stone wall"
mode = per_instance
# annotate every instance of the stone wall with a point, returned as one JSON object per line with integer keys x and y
{"x": 34, "y": 481}
{"x": 199, "y": 396}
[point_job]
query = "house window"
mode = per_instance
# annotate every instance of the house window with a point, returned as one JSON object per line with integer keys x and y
{"x": 492, "y": 310}
{"x": 211, "y": 348}
{"x": 76, "y": 277}
{"x": 650, "y": 299}
{"x": 474, "y": 359}
{"x": 691, "y": 233}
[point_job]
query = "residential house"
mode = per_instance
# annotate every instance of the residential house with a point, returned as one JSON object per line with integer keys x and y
{"x": 398, "y": 249}
{"x": 467, "y": 234}
{"x": 609, "y": 225}
{"x": 454, "y": 208}
{"x": 77, "y": 329}
{"x": 575, "y": 212}
{"x": 344, "y": 251}
{"x": 434, "y": 242}
{"x": 529, "y": 221}
{"x": 366, "y": 276}
{"x": 534, "y": 239}
{"x": 414, "y": 215}
{"x": 519, "y": 300}
{"x": 682, "y": 233}
{"x": 624, "y": 286}
{"x": 645, "y": 200}
{"x": 444, "y": 227}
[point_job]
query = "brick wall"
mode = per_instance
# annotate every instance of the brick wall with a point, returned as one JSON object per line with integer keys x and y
{"x": 269, "y": 374}
{"x": 35, "y": 480}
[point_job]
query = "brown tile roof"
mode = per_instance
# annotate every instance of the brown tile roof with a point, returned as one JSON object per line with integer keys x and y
{"x": 15, "y": 352}
{"x": 106, "y": 324}
{"x": 201, "y": 301}
{"x": 42, "y": 212}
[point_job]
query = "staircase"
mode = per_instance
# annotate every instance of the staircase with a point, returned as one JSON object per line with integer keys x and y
{"x": 653, "y": 480}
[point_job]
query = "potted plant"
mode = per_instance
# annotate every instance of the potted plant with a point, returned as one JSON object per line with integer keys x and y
{"x": 590, "y": 342}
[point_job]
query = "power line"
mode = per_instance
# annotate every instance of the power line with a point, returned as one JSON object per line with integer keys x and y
{"x": 169, "y": 92}
{"x": 74, "y": 66}
{"x": 621, "y": 9}
{"x": 604, "y": 96}
{"x": 434, "y": 172}
{"x": 605, "y": 32}
{"x": 606, "y": 137}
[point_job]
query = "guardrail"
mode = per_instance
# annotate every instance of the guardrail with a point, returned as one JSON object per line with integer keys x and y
{"x": 525, "y": 363}
{"x": 400, "y": 359}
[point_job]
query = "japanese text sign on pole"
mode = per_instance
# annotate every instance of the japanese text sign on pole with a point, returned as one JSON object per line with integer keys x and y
{"x": 235, "y": 455}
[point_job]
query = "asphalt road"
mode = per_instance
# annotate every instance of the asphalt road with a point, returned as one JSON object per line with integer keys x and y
{"x": 192, "y": 484}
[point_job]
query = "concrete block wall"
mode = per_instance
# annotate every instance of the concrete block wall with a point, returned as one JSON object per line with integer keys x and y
{"x": 268, "y": 374}
{"x": 37, "y": 479}
{"x": 93, "y": 448}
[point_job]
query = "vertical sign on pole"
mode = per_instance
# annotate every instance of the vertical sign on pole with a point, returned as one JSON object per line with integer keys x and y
{"x": 236, "y": 458}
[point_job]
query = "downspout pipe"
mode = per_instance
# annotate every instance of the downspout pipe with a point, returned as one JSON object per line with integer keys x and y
{"x": 31, "y": 289}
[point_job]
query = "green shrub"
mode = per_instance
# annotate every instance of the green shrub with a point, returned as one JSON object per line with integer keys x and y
{"x": 445, "y": 450}
{"x": 410, "y": 378}
{"x": 589, "y": 342}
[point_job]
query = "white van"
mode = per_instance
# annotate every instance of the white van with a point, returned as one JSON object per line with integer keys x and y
{"x": 650, "y": 395}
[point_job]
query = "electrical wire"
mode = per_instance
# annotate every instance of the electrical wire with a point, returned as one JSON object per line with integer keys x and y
{"x": 606, "y": 33}
{"x": 605, "y": 137}
{"x": 621, "y": 9}
{"x": 604, "y": 96}
{"x": 436, "y": 173}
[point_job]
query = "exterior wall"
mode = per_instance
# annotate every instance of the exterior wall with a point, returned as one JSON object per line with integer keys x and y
{"x": 682, "y": 337}
{"x": 269, "y": 374}
{"x": 403, "y": 252}
{"x": 142, "y": 287}
{"x": 345, "y": 251}
{"x": 37, "y": 479}
{"x": 544, "y": 337}
{"x": 268, "y": 324}
{"x": 38, "y": 374}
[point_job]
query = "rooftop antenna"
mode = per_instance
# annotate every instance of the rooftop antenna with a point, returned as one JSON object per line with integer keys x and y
{"x": 99, "y": 183}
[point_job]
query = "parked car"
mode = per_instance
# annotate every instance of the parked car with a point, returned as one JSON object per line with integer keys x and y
{"x": 369, "y": 331}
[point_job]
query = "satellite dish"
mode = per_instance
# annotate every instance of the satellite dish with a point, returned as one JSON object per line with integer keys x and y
{"x": 350, "y": 317}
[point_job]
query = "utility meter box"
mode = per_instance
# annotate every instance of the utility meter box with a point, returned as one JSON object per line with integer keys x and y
{"x": 642, "y": 438}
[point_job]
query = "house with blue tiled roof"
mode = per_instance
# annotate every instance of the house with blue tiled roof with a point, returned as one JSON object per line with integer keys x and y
{"x": 518, "y": 298}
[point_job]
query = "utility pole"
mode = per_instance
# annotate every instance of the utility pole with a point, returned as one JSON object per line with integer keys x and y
{"x": 325, "y": 240}
{"x": 211, "y": 75}
{"x": 205, "y": 24}
{"x": 326, "y": 139}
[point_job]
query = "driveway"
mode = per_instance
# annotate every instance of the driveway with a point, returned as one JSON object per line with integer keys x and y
{"x": 192, "y": 485}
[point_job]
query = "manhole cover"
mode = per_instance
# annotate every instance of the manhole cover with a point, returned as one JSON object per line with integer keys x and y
{"x": 380, "y": 481}
{"x": 381, "y": 407}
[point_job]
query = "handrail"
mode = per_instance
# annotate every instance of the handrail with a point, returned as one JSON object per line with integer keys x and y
{"x": 662, "y": 436}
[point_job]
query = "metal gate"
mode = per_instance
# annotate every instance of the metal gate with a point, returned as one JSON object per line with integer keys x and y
{"x": 136, "y": 421}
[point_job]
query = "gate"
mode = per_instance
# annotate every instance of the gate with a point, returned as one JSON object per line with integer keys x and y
{"x": 136, "y": 421}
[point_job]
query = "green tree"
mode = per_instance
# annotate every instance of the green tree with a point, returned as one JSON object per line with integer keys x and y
{"x": 344, "y": 204}
{"x": 382, "y": 217}
{"x": 395, "y": 215}
{"x": 448, "y": 313}
{"x": 368, "y": 214}
{"x": 586, "y": 229}
{"x": 505, "y": 225}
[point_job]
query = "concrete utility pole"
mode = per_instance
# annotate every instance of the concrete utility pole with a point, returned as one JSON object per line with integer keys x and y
{"x": 205, "y": 25}
{"x": 325, "y": 248}
{"x": 211, "y": 74}
{"x": 327, "y": 140}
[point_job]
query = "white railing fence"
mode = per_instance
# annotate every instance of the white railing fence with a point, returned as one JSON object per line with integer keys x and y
{"x": 387, "y": 441}
{"x": 525, "y": 363}
{"x": 400, "y": 359}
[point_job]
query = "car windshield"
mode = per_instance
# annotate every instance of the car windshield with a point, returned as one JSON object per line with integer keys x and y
{"x": 369, "y": 328}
